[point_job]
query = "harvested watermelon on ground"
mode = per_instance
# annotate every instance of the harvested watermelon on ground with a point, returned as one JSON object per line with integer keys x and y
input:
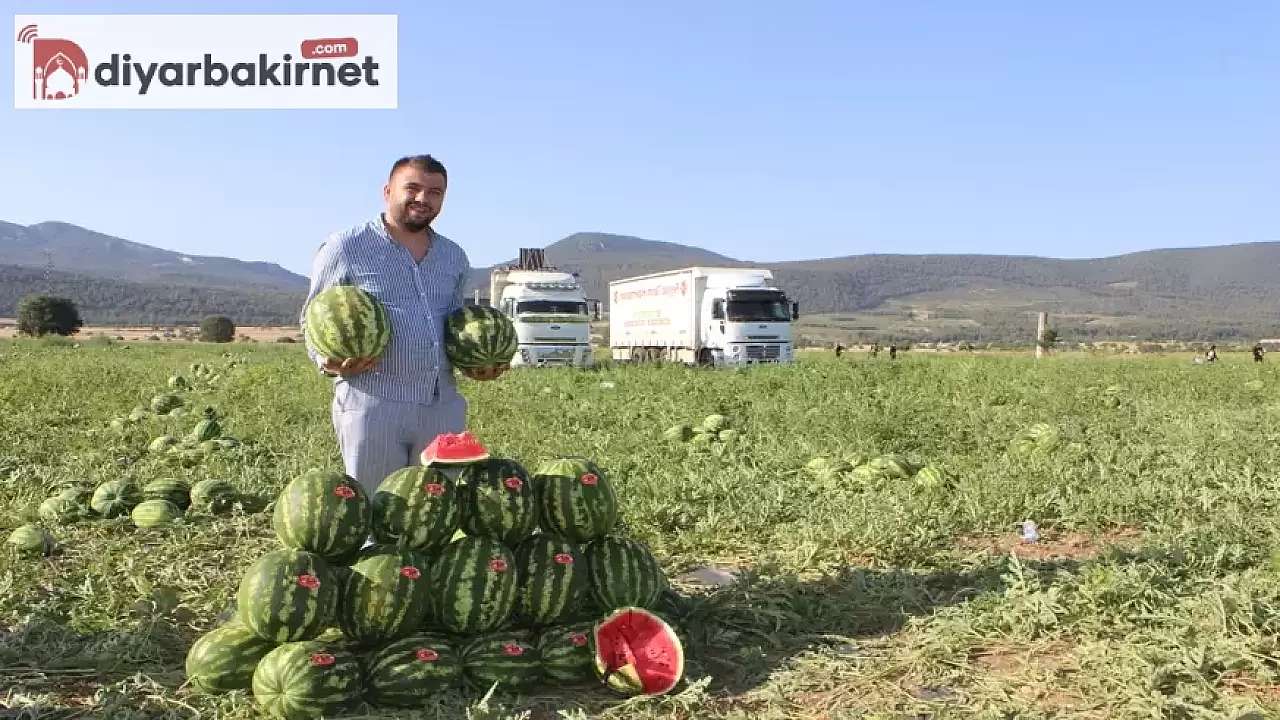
{"x": 344, "y": 321}
{"x": 473, "y": 587}
{"x": 637, "y": 653}
{"x": 575, "y": 499}
{"x": 479, "y": 337}
{"x": 213, "y": 496}
{"x": 308, "y": 680}
{"x": 66, "y": 507}
{"x": 154, "y": 513}
{"x": 324, "y": 512}
{"x": 552, "y": 579}
{"x": 175, "y": 490}
{"x": 622, "y": 572}
{"x": 418, "y": 508}
{"x": 223, "y": 659}
{"x": 498, "y": 501}
{"x": 453, "y": 450}
{"x": 288, "y": 596}
{"x": 409, "y": 672}
{"x": 384, "y": 595}
{"x": 115, "y": 498}
{"x": 566, "y": 654}
{"x": 31, "y": 539}
{"x": 504, "y": 657}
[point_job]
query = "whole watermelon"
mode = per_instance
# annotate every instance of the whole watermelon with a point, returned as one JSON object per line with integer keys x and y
{"x": 575, "y": 499}
{"x": 307, "y": 680}
{"x": 288, "y": 595}
{"x": 153, "y": 513}
{"x": 416, "y": 507}
{"x": 621, "y": 572}
{"x": 223, "y": 659}
{"x": 344, "y": 321}
{"x": 409, "y": 672}
{"x": 478, "y": 337}
{"x": 505, "y": 658}
{"x": 473, "y": 586}
{"x": 498, "y": 501}
{"x": 552, "y": 577}
{"x": 323, "y": 512}
{"x": 175, "y": 490}
{"x": 384, "y": 595}
{"x": 212, "y": 495}
{"x": 31, "y": 539}
{"x": 567, "y": 657}
{"x": 115, "y": 498}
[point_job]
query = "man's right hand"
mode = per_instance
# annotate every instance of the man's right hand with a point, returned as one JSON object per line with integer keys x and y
{"x": 349, "y": 366}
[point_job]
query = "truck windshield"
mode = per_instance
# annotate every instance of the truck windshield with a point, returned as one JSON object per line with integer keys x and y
{"x": 551, "y": 307}
{"x": 758, "y": 310}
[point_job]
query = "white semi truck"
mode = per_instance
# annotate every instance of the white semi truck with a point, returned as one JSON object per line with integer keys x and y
{"x": 703, "y": 316}
{"x": 549, "y": 310}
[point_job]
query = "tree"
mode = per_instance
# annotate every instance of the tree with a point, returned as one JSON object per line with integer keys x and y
{"x": 40, "y": 315}
{"x": 217, "y": 328}
{"x": 1049, "y": 339}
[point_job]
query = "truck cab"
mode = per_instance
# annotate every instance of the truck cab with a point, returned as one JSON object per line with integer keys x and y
{"x": 746, "y": 325}
{"x": 550, "y": 314}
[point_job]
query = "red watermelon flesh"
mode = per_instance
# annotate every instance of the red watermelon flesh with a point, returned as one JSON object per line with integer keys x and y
{"x": 454, "y": 449}
{"x": 637, "y": 652}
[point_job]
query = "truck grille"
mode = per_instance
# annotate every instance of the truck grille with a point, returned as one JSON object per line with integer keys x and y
{"x": 762, "y": 352}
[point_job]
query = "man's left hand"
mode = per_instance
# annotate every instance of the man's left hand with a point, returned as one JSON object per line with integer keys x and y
{"x": 489, "y": 373}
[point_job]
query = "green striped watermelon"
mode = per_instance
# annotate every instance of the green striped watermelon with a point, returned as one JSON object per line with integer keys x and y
{"x": 504, "y": 658}
{"x": 416, "y": 507}
{"x": 68, "y": 506}
{"x": 384, "y": 595}
{"x": 213, "y": 496}
{"x": 288, "y": 595}
{"x": 308, "y": 680}
{"x": 175, "y": 490}
{"x": 344, "y": 321}
{"x": 498, "y": 501}
{"x": 477, "y": 337}
{"x": 621, "y": 572}
{"x": 323, "y": 512}
{"x": 473, "y": 586}
{"x": 575, "y": 499}
{"x": 552, "y": 579}
{"x": 567, "y": 657}
{"x": 115, "y": 498}
{"x": 223, "y": 659}
{"x": 409, "y": 672}
{"x": 31, "y": 539}
{"x": 153, "y": 513}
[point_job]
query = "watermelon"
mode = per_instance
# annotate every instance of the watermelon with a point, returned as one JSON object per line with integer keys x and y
{"x": 637, "y": 652}
{"x": 498, "y": 501}
{"x": 174, "y": 490}
{"x": 31, "y": 539}
{"x": 384, "y": 595}
{"x": 288, "y": 595}
{"x": 933, "y": 477}
{"x": 621, "y": 572}
{"x": 308, "y": 680}
{"x": 714, "y": 423}
{"x": 565, "y": 650}
{"x": 453, "y": 450}
{"x": 165, "y": 403}
{"x": 207, "y": 429}
{"x": 417, "y": 508}
{"x": 478, "y": 337}
{"x": 505, "y": 658}
{"x": 344, "y": 322}
{"x": 67, "y": 506}
{"x": 223, "y": 659}
{"x": 114, "y": 498}
{"x": 409, "y": 672}
{"x": 892, "y": 466}
{"x": 213, "y": 496}
{"x": 473, "y": 586}
{"x": 575, "y": 499}
{"x": 163, "y": 443}
{"x": 323, "y": 512}
{"x": 552, "y": 579}
{"x": 152, "y": 513}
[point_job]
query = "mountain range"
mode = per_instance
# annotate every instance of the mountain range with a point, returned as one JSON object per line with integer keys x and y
{"x": 1209, "y": 292}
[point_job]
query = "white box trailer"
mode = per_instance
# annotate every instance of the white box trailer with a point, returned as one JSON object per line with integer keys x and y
{"x": 701, "y": 315}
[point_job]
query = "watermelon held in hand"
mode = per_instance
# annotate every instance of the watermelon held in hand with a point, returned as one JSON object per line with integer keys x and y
{"x": 479, "y": 337}
{"x": 637, "y": 653}
{"x": 453, "y": 450}
{"x": 344, "y": 321}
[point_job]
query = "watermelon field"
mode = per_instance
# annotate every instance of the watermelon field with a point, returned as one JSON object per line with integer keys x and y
{"x": 849, "y": 545}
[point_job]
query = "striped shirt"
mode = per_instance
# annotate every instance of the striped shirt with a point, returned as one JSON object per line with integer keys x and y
{"x": 417, "y": 295}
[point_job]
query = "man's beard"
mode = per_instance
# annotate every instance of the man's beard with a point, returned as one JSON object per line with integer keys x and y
{"x": 415, "y": 222}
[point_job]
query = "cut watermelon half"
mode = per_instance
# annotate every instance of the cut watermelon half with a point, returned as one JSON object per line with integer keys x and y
{"x": 638, "y": 653}
{"x": 449, "y": 449}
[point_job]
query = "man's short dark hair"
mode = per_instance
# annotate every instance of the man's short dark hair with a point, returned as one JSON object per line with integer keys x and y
{"x": 425, "y": 163}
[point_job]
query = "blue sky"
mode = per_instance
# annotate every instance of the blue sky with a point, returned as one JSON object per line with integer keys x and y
{"x": 764, "y": 131}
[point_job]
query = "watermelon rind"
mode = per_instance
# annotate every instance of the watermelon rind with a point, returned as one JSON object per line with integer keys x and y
{"x": 384, "y": 595}
{"x": 324, "y": 512}
{"x": 498, "y": 501}
{"x": 453, "y": 450}
{"x": 416, "y": 507}
{"x": 505, "y": 658}
{"x": 308, "y": 679}
{"x": 345, "y": 321}
{"x": 575, "y": 499}
{"x": 553, "y": 579}
{"x": 408, "y": 672}
{"x": 473, "y": 587}
{"x": 288, "y": 596}
{"x": 636, "y": 652}
{"x": 622, "y": 572}
{"x": 223, "y": 659}
{"x": 478, "y": 337}
{"x": 566, "y": 654}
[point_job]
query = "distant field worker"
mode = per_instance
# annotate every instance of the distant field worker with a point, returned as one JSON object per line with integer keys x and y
{"x": 386, "y": 412}
{"x": 1257, "y": 352}
{"x": 1211, "y": 355}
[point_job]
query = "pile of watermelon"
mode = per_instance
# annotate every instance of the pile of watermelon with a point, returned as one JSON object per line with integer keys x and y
{"x": 152, "y": 504}
{"x": 480, "y": 573}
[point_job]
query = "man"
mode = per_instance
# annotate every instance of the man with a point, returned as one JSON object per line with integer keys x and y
{"x": 1257, "y": 352}
{"x": 386, "y": 411}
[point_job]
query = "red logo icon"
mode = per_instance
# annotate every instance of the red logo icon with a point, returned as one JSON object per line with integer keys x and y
{"x": 59, "y": 68}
